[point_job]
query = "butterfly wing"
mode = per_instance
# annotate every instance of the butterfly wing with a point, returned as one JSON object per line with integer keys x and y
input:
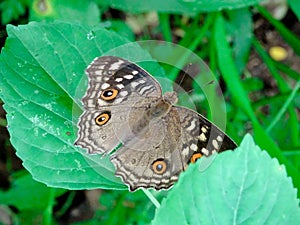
{"x": 200, "y": 136}
{"x": 126, "y": 78}
{"x": 185, "y": 136}
{"x": 114, "y": 87}
{"x": 152, "y": 164}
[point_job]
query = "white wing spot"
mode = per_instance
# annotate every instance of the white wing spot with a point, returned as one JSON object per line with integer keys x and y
{"x": 202, "y": 137}
{"x": 205, "y": 151}
{"x": 120, "y": 86}
{"x": 203, "y": 129}
{"x": 123, "y": 93}
{"x": 219, "y": 138}
{"x": 134, "y": 84}
{"x": 98, "y": 72}
{"x": 194, "y": 147}
{"x": 185, "y": 151}
{"x": 118, "y": 100}
{"x": 192, "y": 126}
{"x": 100, "y": 67}
{"x": 100, "y": 102}
{"x": 116, "y": 65}
{"x": 215, "y": 144}
{"x": 174, "y": 178}
{"x": 134, "y": 72}
{"x": 119, "y": 79}
{"x": 99, "y": 78}
{"x": 105, "y": 85}
{"x": 128, "y": 77}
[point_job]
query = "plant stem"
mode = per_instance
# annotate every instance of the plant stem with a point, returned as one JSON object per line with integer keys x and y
{"x": 151, "y": 197}
{"x": 47, "y": 215}
{"x": 67, "y": 204}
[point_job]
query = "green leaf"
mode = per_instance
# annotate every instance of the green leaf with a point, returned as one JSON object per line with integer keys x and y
{"x": 252, "y": 84}
{"x": 22, "y": 196}
{"x": 241, "y": 25}
{"x": 295, "y": 6}
{"x": 67, "y": 10}
{"x": 120, "y": 27}
{"x": 244, "y": 186}
{"x": 42, "y": 83}
{"x": 228, "y": 68}
{"x": 12, "y": 10}
{"x": 181, "y": 6}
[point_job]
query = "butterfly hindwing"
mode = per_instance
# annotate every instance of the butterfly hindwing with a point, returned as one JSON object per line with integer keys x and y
{"x": 200, "y": 136}
{"x": 154, "y": 161}
{"x": 184, "y": 137}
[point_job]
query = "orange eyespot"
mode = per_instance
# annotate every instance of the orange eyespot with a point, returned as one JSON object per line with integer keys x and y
{"x": 195, "y": 157}
{"x": 103, "y": 118}
{"x": 159, "y": 166}
{"x": 109, "y": 94}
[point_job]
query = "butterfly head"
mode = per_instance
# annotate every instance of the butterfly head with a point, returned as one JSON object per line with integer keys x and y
{"x": 170, "y": 97}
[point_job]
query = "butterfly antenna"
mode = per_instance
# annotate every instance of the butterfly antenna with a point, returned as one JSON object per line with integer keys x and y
{"x": 210, "y": 82}
{"x": 190, "y": 91}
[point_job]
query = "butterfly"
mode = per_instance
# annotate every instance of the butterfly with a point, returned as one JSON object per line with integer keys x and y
{"x": 125, "y": 104}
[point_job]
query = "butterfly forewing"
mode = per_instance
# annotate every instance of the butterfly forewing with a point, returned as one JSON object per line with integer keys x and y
{"x": 110, "y": 73}
{"x": 114, "y": 86}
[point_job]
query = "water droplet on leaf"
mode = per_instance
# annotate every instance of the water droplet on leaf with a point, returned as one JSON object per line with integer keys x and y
{"x": 91, "y": 35}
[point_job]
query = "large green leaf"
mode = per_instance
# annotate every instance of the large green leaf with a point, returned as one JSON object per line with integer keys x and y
{"x": 244, "y": 186}
{"x": 179, "y": 6}
{"x": 42, "y": 83}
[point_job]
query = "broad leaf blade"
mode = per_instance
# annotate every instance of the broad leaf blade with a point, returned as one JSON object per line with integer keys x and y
{"x": 244, "y": 186}
{"x": 42, "y": 83}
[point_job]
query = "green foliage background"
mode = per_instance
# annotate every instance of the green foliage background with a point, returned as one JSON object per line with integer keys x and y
{"x": 42, "y": 81}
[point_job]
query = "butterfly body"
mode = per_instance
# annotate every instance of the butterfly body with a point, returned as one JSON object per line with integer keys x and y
{"x": 124, "y": 104}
